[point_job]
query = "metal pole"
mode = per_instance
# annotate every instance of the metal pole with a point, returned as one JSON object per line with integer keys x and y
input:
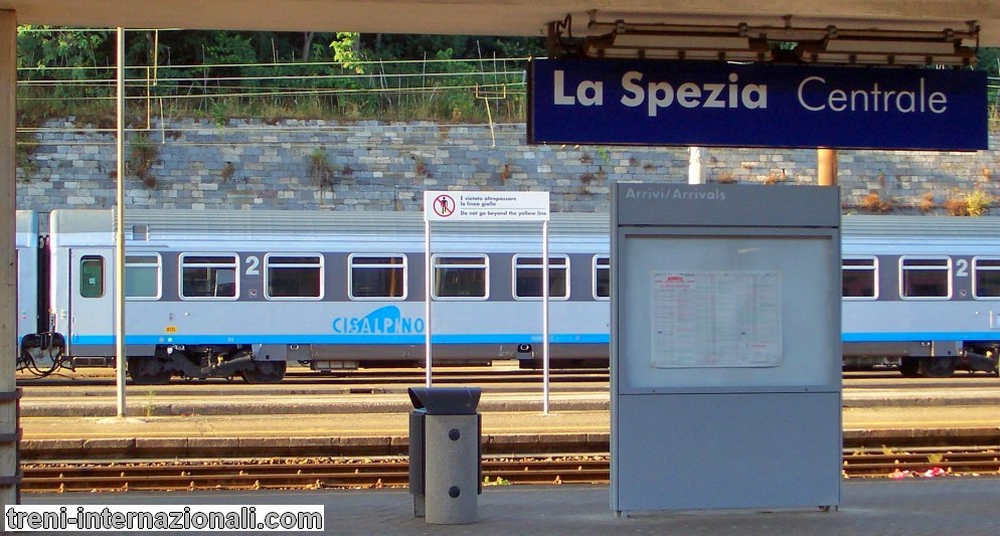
{"x": 696, "y": 174}
{"x": 120, "y": 231}
{"x": 427, "y": 300}
{"x": 545, "y": 316}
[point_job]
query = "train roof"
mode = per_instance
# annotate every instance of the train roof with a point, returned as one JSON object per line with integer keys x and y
{"x": 286, "y": 226}
{"x": 166, "y": 224}
{"x": 911, "y": 227}
{"x": 269, "y": 223}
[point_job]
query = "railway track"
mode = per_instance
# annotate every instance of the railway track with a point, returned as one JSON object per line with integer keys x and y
{"x": 298, "y": 379}
{"x": 393, "y": 472}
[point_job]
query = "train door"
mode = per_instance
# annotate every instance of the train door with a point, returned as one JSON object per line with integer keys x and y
{"x": 91, "y": 302}
{"x": 27, "y": 318}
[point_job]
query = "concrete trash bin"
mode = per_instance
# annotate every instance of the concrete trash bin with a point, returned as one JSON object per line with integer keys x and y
{"x": 445, "y": 457}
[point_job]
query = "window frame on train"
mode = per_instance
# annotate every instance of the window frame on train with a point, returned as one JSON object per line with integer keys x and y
{"x": 463, "y": 265}
{"x": 86, "y": 261}
{"x": 283, "y": 269}
{"x": 856, "y": 264}
{"x": 601, "y": 275}
{"x": 402, "y": 268}
{"x": 212, "y": 263}
{"x": 522, "y": 262}
{"x": 944, "y": 267}
{"x": 138, "y": 267}
{"x": 978, "y": 269}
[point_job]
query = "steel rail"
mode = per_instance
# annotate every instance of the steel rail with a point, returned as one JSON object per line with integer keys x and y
{"x": 393, "y": 472}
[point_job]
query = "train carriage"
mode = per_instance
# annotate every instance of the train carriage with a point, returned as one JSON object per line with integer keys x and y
{"x": 221, "y": 293}
{"x": 224, "y": 293}
{"x": 923, "y": 292}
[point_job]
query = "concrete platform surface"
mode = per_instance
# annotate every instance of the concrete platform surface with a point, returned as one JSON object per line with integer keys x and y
{"x": 932, "y": 507}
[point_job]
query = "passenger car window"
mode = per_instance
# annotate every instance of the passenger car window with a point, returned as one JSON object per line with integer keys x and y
{"x": 925, "y": 277}
{"x": 293, "y": 276}
{"x": 142, "y": 276}
{"x": 602, "y": 277}
{"x": 528, "y": 277}
{"x": 987, "y": 278}
{"x": 377, "y": 276}
{"x": 91, "y": 276}
{"x": 859, "y": 278}
{"x": 463, "y": 276}
{"x": 208, "y": 276}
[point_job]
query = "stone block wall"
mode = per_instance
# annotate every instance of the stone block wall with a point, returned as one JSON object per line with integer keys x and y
{"x": 374, "y": 165}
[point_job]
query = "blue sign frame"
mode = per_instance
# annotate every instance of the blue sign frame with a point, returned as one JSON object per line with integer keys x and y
{"x": 630, "y": 102}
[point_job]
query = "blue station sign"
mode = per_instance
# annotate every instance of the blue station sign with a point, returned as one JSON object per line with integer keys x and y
{"x": 625, "y": 102}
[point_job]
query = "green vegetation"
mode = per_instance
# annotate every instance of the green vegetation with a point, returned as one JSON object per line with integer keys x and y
{"x": 219, "y": 75}
{"x": 270, "y": 75}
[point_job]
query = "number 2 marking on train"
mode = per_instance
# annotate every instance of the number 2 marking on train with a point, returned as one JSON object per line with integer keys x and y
{"x": 253, "y": 264}
{"x": 962, "y": 268}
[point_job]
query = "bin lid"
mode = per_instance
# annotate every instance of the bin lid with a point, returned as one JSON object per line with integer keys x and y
{"x": 445, "y": 400}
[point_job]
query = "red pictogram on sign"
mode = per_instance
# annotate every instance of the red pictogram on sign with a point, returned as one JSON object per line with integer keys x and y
{"x": 444, "y": 206}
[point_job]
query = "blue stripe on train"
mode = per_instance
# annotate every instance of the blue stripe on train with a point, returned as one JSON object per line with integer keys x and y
{"x": 923, "y": 336}
{"x": 556, "y": 338}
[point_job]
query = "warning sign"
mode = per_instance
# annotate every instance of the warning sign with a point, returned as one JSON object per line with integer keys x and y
{"x": 483, "y": 206}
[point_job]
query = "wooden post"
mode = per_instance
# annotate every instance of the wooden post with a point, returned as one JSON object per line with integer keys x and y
{"x": 826, "y": 167}
{"x": 9, "y": 394}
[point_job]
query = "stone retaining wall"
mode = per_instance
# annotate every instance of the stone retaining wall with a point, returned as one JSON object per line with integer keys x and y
{"x": 372, "y": 165}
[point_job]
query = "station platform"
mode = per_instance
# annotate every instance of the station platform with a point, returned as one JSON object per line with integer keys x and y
{"x": 345, "y": 424}
{"x": 913, "y": 507}
{"x": 335, "y": 421}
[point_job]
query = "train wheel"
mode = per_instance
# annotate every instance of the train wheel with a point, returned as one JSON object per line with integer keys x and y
{"x": 909, "y": 367}
{"x": 937, "y": 367}
{"x": 147, "y": 371}
{"x": 265, "y": 372}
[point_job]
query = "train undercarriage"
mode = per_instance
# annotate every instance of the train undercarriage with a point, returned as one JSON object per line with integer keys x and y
{"x": 926, "y": 359}
{"x": 45, "y": 353}
{"x": 204, "y": 361}
{"x": 42, "y": 354}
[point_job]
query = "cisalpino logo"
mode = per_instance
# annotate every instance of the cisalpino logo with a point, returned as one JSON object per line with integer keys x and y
{"x": 387, "y": 320}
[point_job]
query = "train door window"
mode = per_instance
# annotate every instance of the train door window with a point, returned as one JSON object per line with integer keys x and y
{"x": 602, "y": 277}
{"x": 986, "y": 281}
{"x": 925, "y": 278}
{"x": 293, "y": 276}
{"x": 461, "y": 277}
{"x": 142, "y": 276}
{"x": 528, "y": 277}
{"x": 91, "y": 276}
{"x": 208, "y": 276}
{"x": 859, "y": 277}
{"x": 377, "y": 277}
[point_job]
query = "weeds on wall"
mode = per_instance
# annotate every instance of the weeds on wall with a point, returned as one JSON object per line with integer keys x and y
{"x": 926, "y": 203}
{"x": 972, "y": 204}
{"x": 420, "y": 167}
{"x": 143, "y": 154}
{"x": 874, "y": 203}
{"x": 227, "y": 172}
{"x": 505, "y": 173}
{"x": 726, "y": 177}
{"x": 320, "y": 168}
{"x": 775, "y": 177}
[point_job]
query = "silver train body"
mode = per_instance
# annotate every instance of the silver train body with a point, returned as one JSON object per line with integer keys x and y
{"x": 225, "y": 293}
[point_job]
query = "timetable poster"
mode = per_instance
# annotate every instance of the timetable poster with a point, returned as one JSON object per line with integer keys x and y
{"x": 716, "y": 319}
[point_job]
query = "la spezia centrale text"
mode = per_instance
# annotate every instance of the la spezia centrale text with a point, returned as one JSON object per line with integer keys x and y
{"x": 814, "y": 94}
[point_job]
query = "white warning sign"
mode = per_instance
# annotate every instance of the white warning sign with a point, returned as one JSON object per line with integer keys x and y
{"x": 486, "y": 206}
